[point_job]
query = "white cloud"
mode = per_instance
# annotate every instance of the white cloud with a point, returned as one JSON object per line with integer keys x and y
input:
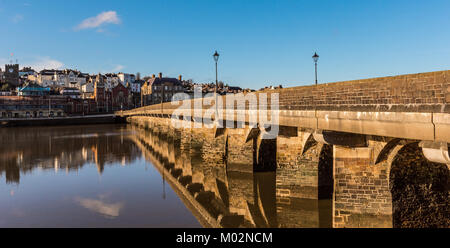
{"x": 107, "y": 17}
{"x": 118, "y": 68}
{"x": 45, "y": 63}
{"x": 37, "y": 64}
{"x": 17, "y": 18}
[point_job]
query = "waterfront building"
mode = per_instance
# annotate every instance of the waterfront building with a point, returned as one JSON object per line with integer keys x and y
{"x": 33, "y": 89}
{"x": 120, "y": 97}
{"x": 71, "y": 92}
{"x": 31, "y": 107}
{"x": 5, "y": 93}
{"x": 160, "y": 89}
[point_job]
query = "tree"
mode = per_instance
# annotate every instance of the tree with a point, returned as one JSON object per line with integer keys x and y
{"x": 5, "y": 87}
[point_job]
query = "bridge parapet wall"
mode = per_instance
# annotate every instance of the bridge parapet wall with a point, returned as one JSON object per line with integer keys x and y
{"x": 421, "y": 92}
{"x": 413, "y": 106}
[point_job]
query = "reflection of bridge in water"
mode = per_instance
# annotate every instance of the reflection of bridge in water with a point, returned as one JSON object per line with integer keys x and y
{"x": 220, "y": 197}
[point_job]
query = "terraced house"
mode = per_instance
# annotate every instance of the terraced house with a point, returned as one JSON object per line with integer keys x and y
{"x": 160, "y": 89}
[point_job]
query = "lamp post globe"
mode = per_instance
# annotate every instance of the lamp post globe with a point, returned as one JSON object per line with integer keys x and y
{"x": 216, "y": 56}
{"x": 315, "y": 57}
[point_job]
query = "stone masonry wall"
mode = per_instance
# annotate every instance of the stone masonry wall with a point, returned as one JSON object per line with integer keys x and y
{"x": 361, "y": 193}
{"x": 422, "y": 92}
{"x": 297, "y": 173}
{"x": 239, "y": 152}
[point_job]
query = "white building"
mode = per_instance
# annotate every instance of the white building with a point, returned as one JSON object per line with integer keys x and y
{"x": 27, "y": 71}
{"x": 60, "y": 78}
{"x": 125, "y": 78}
{"x": 71, "y": 92}
{"x": 46, "y": 78}
{"x": 87, "y": 90}
{"x": 70, "y": 78}
{"x": 112, "y": 80}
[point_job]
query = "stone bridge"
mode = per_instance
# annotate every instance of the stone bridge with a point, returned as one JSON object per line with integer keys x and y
{"x": 376, "y": 147}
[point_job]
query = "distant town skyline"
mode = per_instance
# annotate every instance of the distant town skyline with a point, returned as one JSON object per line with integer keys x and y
{"x": 260, "y": 43}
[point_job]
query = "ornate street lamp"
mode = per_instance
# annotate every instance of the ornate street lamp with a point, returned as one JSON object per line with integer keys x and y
{"x": 315, "y": 58}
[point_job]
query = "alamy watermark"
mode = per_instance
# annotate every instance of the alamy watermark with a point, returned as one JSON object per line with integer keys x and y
{"x": 209, "y": 111}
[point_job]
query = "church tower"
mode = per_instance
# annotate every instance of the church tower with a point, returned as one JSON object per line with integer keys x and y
{"x": 11, "y": 74}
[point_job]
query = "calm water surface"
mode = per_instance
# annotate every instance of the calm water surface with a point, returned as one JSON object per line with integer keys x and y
{"x": 82, "y": 176}
{"x": 125, "y": 176}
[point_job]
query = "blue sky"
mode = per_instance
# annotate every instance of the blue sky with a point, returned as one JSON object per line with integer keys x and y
{"x": 261, "y": 42}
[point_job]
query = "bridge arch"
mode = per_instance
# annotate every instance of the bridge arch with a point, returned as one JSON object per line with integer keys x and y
{"x": 419, "y": 189}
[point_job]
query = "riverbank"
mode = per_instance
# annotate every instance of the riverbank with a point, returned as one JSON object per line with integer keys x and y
{"x": 58, "y": 121}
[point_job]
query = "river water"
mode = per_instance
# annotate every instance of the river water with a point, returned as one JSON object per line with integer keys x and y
{"x": 122, "y": 176}
{"x": 82, "y": 176}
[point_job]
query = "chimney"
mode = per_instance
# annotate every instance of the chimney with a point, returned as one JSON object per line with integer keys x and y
{"x": 160, "y": 75}
{"x": 153, "y": 76}
{"x": 179, "y": 77}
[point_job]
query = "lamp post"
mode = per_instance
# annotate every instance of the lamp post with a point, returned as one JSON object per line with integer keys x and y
{"x": 216, "y": 58}
{"x": 315, "y": 58}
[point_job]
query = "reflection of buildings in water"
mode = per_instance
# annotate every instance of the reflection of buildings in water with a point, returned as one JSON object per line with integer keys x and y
{"x": 68, "y": 148}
